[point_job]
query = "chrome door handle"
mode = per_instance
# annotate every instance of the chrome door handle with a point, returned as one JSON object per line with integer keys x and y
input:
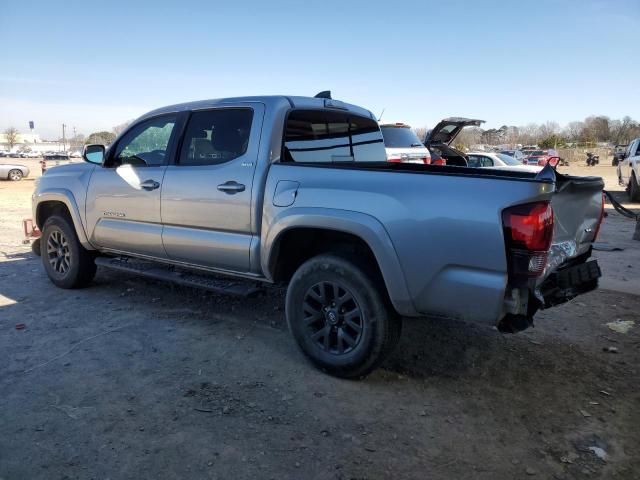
{"x": 150, "y": 185}
{"x": 231, "y": 187}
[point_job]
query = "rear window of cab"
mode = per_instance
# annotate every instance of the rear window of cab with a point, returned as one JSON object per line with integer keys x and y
{"x": 326, "y": 136}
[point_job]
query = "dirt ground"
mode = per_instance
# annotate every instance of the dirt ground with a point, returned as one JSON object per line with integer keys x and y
{"x": 132, "y": 379}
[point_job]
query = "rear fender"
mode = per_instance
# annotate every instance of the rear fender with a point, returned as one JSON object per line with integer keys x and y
{"x": 367, "y": 228}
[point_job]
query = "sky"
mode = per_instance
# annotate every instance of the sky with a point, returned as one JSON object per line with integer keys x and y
{"x": 93, "y": 65}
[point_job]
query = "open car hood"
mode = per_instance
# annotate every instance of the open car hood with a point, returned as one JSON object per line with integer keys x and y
{"x": 448, "y": 129}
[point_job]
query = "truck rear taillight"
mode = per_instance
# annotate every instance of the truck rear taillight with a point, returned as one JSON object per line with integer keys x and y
{"x": 426, "y": 160}
{"x": 439, "y": 161}
{"x": 528, "y": 231}
{"x": 394, "y": 159}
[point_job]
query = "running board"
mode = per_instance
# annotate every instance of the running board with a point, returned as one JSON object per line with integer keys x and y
{"x": 158, "y": 271}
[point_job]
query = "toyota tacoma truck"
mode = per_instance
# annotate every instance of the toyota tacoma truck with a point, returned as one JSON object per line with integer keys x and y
{"x": 297, "y": 191}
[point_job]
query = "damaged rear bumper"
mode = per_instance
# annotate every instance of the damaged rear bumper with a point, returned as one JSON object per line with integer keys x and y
{"x": 569, "y": 282}
{"x": 566, "y": 283}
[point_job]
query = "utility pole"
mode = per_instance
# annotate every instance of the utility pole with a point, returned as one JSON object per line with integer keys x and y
{"x": 75, "y": 138}
{"x": 64, "y": 141}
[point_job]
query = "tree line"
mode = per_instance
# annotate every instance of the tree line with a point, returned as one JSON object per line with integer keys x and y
{"x": 592, "y": 130}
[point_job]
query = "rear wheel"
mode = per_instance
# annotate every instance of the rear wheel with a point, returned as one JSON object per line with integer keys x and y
{"x": 339, "y": 316}
{"x": 634, "y": 189}
{"x": 67, "y": 263}
{"x": 15, "y": 175}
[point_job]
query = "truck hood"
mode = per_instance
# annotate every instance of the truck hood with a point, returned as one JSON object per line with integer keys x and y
{"x": 69, "y": 168}
{"x": 448, "y": 129}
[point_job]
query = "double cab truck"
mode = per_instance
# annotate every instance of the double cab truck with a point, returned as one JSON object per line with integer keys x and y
{"x": 297, "y": 191}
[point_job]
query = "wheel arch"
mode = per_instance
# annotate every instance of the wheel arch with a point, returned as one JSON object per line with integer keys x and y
{"x": 312, "y": 231}
{"x": 60, "y": 202}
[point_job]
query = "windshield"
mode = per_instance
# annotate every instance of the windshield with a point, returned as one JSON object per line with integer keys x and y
{"x": 400, "y": 137}
{"x": 509, "y": 160}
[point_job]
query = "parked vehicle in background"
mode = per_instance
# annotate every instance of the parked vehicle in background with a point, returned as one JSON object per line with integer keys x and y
{"x": 439, "y": 140}
{"x": 498, "y": 160}
{"x": 76, "y": 154}
{"x": 541, "y": 157}
{"x": 592, "y": 160}
{"x": 618, "y": 154}
{"x": 629, "y": 170}
{"x": 528, "y": 149}
{"x": 13, "y": 171}
{"x": 56, "y": 156}
{"x": 298, "y": 191}
{"x": 517, "y": 154}
{"x": 403, "y": 145}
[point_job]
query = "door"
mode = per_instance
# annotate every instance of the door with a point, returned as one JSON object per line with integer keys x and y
{"x": 123, "y": 198}
{"x": 206, "y": 194}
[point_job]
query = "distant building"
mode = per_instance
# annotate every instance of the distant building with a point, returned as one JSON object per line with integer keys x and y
{"x": 31, "y": 142}
{"x": 22, "y": 138}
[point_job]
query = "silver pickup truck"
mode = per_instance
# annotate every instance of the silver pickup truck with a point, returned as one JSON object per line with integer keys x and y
{"x": 296, "y": 190}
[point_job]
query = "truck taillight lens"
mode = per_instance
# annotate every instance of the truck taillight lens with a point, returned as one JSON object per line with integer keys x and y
{"x": 393, "y": 159}
{"x": 439, "y": 161}
{"x": 528, "y": 231}
{"x": 426, "y": 160}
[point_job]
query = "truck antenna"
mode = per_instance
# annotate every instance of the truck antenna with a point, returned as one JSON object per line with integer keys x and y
{"x": 381, "y": 113}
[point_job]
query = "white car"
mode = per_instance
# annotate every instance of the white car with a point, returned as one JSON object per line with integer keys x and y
{"x": 629, "y": 170}
{"x": 498, "y": 160}
{"x": 403, "y": 145}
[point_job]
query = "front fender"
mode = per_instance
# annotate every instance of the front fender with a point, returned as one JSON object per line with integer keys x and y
{"x": 66, "y": 197}
{"x": 364, "y": 226}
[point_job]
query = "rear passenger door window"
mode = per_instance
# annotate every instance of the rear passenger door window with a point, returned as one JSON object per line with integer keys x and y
{"x": 324, "y": 136}
{"x": 216, "y": 136}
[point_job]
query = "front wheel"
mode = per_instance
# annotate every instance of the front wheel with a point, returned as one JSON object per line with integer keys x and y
{"x": 67, "y": 263}
{"x": 339, "y": 316}
{"x": 15, "y": 175}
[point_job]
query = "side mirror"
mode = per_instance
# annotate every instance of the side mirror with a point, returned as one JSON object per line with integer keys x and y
{"x": 93, "y": 154}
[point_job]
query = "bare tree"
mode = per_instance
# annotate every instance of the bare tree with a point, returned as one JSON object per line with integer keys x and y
{"x": 118, "y": 129}
{"x": 421, "y": 132}
{"x": 573, "y": 130}
{"x": 547, "y": 129}
{"x": 621, "y": 130}
{"x": 11, "y": 135}
{"x": 596, "y": 129}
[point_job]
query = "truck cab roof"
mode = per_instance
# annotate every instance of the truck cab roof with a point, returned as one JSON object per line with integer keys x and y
{"x": 285, "y": 101}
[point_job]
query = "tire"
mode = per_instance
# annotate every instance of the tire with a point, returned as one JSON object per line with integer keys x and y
{"x": 340, "y": 317}
{"x": 67, "y": 263}
{"x": 634, "y": 189}
{"x": 15, "y": 175}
